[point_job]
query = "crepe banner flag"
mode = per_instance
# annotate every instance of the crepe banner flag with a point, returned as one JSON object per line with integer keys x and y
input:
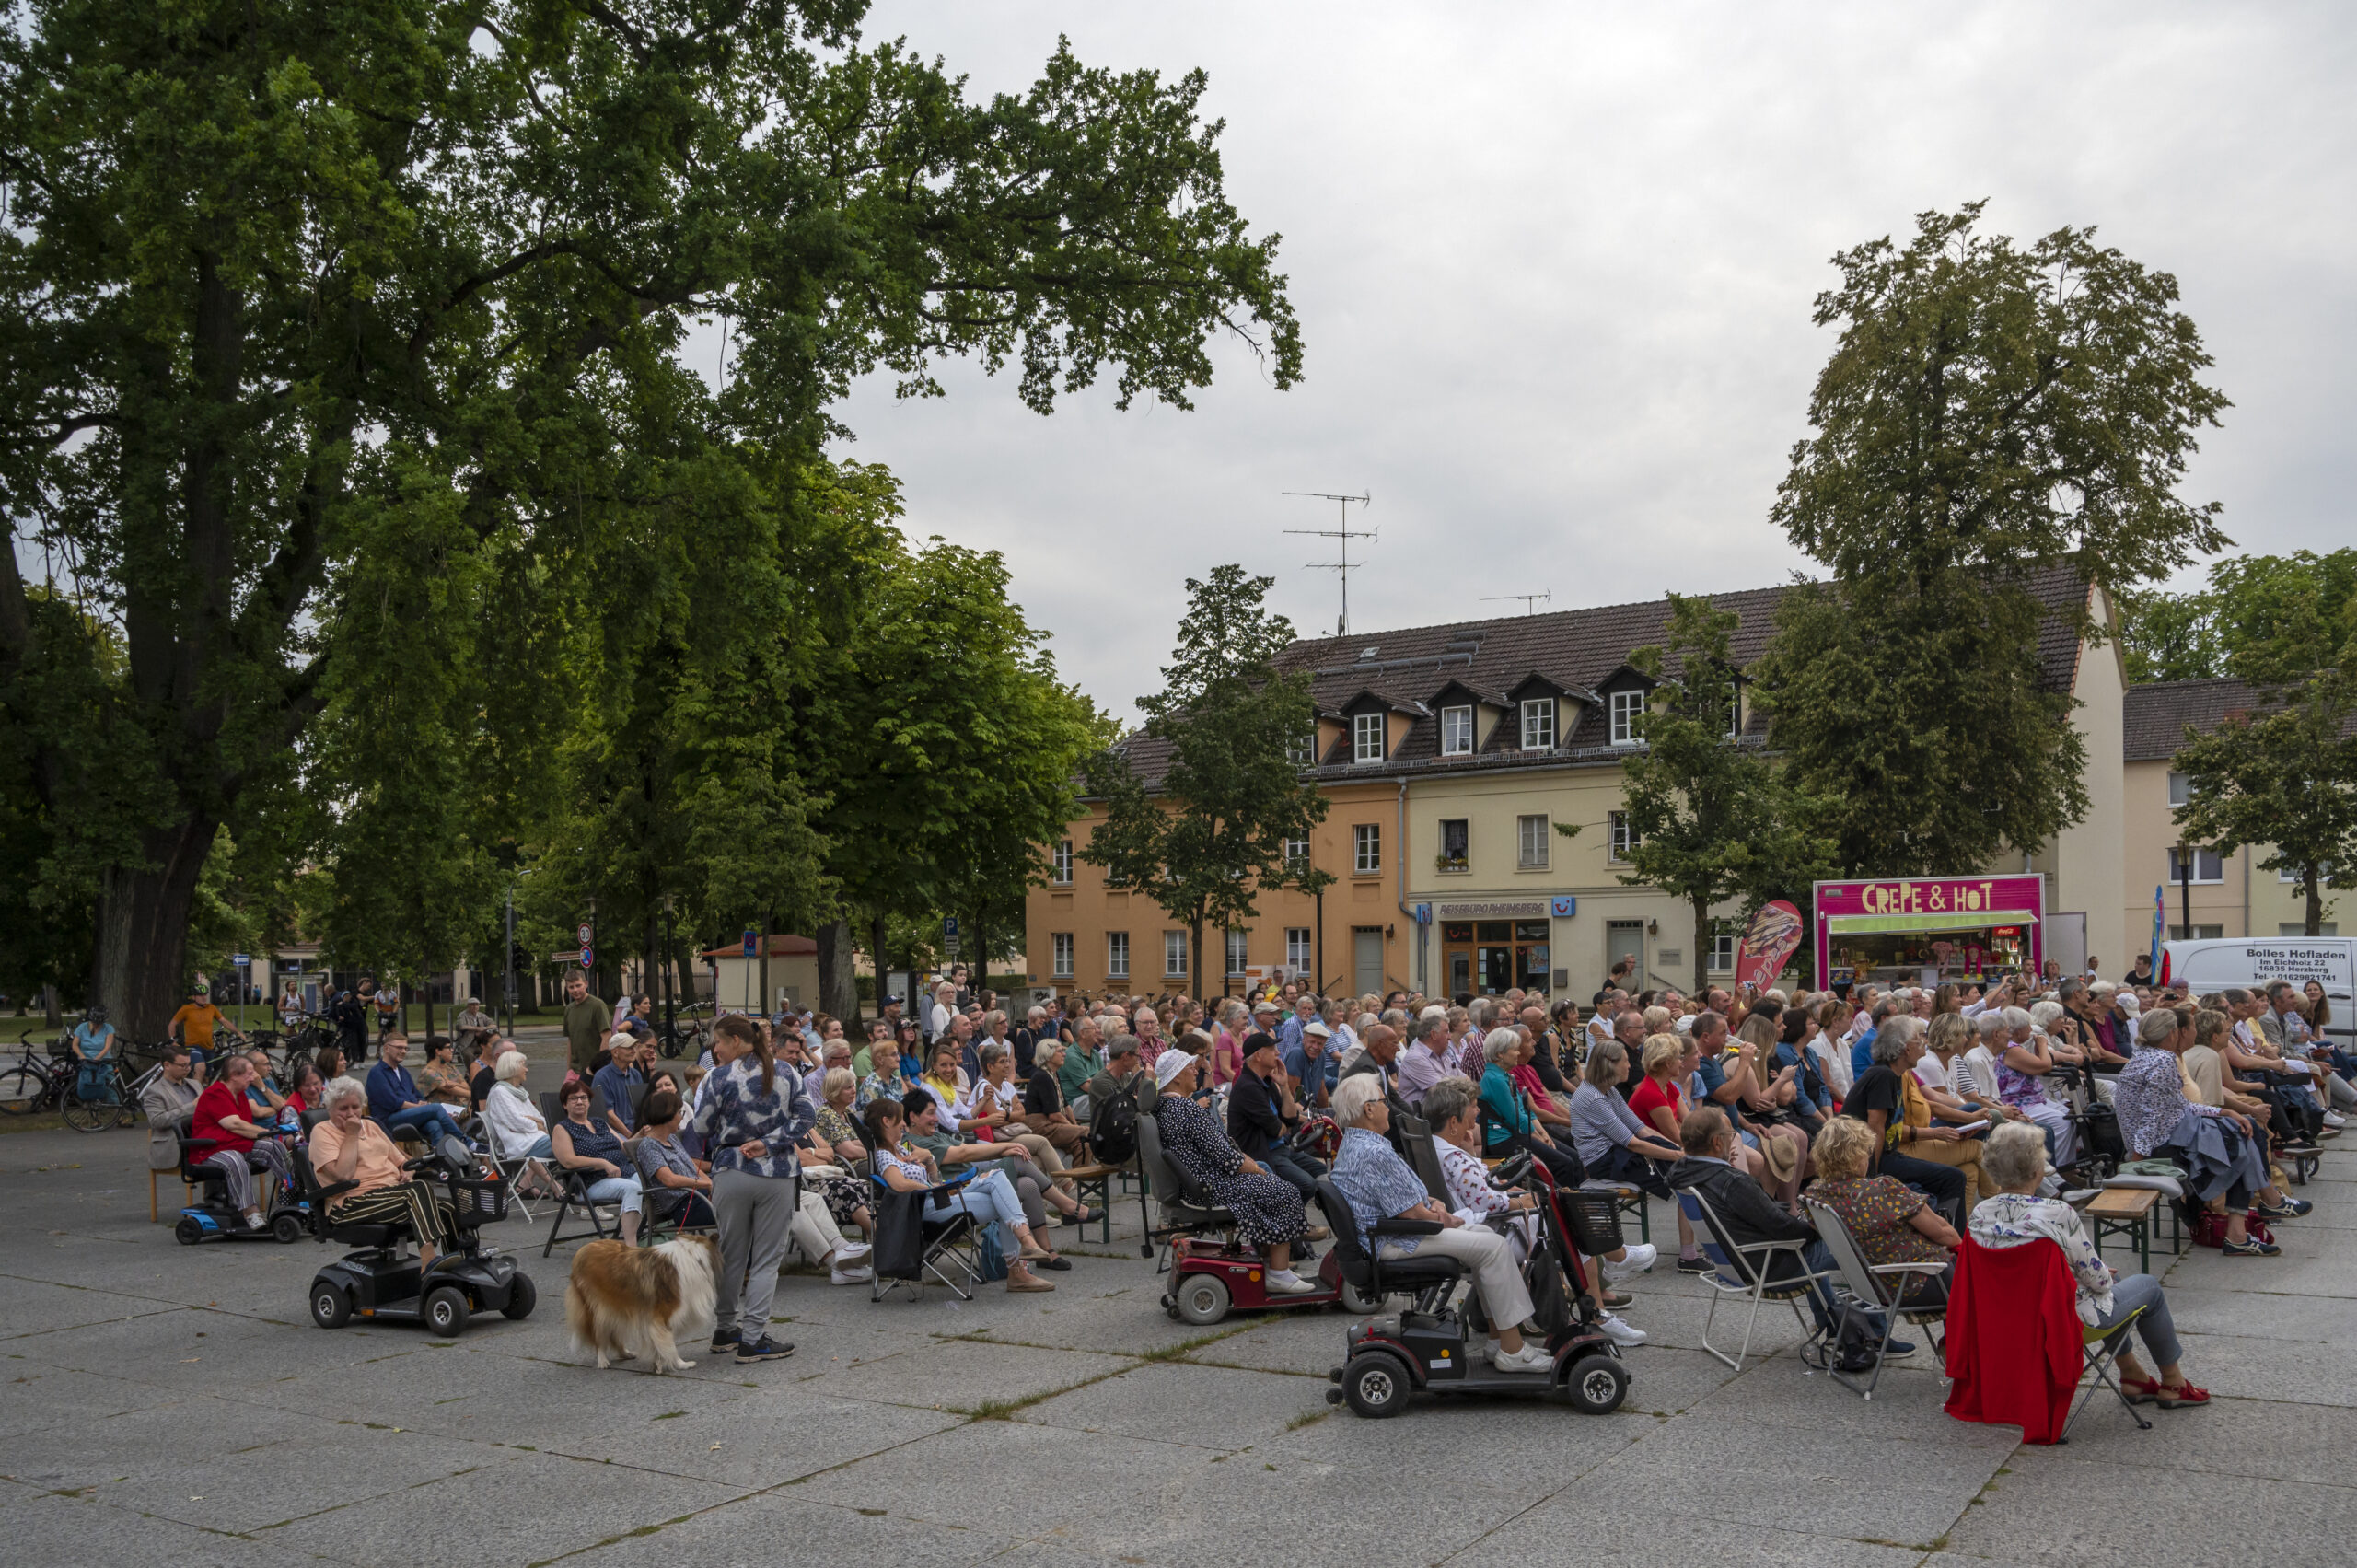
{"x": 1768, "y": 944}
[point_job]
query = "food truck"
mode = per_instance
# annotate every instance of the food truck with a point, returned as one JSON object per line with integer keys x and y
{"x": 1923, "y": 929}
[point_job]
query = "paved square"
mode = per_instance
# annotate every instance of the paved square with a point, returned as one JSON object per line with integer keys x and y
{"x": 171, "y": 1405}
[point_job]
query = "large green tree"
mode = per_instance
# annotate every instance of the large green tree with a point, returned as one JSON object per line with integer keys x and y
{"x": 1205, "y": 840}
{"x": 1992, "y": 413}
{"x": 2249, "y": 599}
{"x": 2284, "y": 773}
{"x": 1710, "y": 817}
{"x": 283, "y": 280}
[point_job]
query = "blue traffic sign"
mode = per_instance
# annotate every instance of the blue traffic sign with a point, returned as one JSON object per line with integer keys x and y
{"x": 950, "y": 926}
{"x": 751, "y": 938}
{"x": 585, "y": 958}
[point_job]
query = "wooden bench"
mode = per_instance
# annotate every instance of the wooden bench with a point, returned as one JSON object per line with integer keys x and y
{"x": 1094, "y": 1185}
{"x": 2127, "y": 1211}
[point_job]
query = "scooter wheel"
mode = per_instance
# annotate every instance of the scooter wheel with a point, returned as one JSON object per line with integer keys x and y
{"x": 1358, "y": 1303}
{"x": 330, "y": 1308}
{"x": 188, "y": 1233}
{"x": 1596, "y": 1384}
{"x": 287, "y": 1227}
{"x": 446, "y": 1311}
{"x": 1375, "y": 1386}
{"x": 1203, "y": 1300}
{"x": 522, "y": 1296}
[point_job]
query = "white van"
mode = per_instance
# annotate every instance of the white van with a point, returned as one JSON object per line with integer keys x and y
{"x": 2252, "y": 962}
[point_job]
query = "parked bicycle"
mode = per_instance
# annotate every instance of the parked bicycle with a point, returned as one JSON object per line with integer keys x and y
{"x": 31, "y": 1087}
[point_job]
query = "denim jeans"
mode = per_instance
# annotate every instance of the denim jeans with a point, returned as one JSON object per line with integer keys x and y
{"x": 434, "y": 1122}
{"x": 1297, "y": 1170}
{"x": 623, "y": 1189}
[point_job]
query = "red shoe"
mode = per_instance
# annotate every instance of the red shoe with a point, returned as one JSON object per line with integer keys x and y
{"x": 2140, "y": 1391}
{"x": 2183, "y": 1394}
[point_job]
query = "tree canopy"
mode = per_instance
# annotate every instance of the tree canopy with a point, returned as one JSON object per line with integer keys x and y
{"x": 343, "y": 396}
{"x": 1993, "y": 414}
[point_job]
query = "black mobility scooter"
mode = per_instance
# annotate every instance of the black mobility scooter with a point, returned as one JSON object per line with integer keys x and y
{"x": 214, "y": 1218}
{"x": 383, "y": 1283}
{"x": 1430, "y": 1345}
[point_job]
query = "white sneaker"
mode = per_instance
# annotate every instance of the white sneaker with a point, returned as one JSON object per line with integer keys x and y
{"x": 854, "y": 1249}
{"x": 2334, "y": 1119}
{"x": 1621, "y": 1333}
{"x": 858, "y": 1275}
{"x": 1529, "y": 1358}
{"x": 1284, "y": 1281}
{"x": 1640, "y": 1258}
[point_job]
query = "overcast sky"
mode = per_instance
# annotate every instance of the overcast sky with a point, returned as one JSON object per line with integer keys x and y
{"x": 1554, "y": 267}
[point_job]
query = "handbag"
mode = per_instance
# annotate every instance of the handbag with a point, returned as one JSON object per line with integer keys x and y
{"x": 990, "y": 1258}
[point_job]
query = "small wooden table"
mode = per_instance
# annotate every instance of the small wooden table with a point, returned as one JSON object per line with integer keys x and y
{"x": 2128, "y": 1211}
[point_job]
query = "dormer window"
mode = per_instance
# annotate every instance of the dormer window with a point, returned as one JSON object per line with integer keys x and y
{"x": 1457, "y": 731}
{"x": 1626, "y": 706}
{"x": 1539, "y": 724}
{"x": 1366, "y": 738}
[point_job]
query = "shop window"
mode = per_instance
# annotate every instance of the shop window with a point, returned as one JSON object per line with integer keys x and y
{"x": 1539, "y": 724}
{"x": 1366, "y": 848}
{"x": 1530, "y": 833}
{"x": 1366, "y": 738}
{"x": 1456, "y": 732}
{"x": 1454, "y": 840}
{"x": 1063, "y": 940}
{"x": 1117, "y": 954}
{"x": 2208, "y": 865}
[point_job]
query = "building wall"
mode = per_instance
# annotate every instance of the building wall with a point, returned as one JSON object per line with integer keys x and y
{"x": 1580, "y": 868}
{"x": 1088, "y": 911}
{"x": 2090, "y": 859}
{"x": 2249, "y": 902}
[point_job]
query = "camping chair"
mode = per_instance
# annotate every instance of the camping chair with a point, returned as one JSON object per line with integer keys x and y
{"x": 508, "y": 1169}
{"x": 945, "y": 1244}
{"x": 1873, "y": 1290}
{"x": 2016, "y": 1302}
{"x": 1743, "y": 1271}
{"x": 574, "y": 1194}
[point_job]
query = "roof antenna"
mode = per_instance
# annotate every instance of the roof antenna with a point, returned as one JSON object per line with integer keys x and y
{"x": 1345, "y": 533}
{"x": 1530, "y": 602}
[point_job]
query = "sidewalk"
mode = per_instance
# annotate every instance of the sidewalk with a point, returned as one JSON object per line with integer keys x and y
{"x": 174, "y": 1405}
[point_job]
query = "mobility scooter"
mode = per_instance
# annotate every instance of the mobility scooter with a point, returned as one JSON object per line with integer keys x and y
{"x": 285, "y": 1216}
{"x": 1211, "y": 1273}
{"x": 1430, "y": 1345}
{"x": 383, "y": 1283}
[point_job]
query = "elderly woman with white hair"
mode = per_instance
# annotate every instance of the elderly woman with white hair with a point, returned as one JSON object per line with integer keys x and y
{"x": 1379, "y": 1185}
{"x": 349, "y": 1146}
{"x": 517, "y": 1130}
{"x": 2014, "y": 1164}
{"x": 2024, "y": 1059}
{"x": 1507, "y": 1121}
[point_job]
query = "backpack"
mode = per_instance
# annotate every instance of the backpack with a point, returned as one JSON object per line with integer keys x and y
{"x": 1114, "y": 1129}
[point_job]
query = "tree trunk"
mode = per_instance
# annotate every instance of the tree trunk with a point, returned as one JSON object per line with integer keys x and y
{"x": 142, "y": 940}
{"x": 1196, "y": 973}
{"x": 49, "y": 1010}
{"x": 877, "y": 954}
{"x": 2315, "y": 889}
{"x": 1702, "y": 952}
{"x": 838, "y": 985}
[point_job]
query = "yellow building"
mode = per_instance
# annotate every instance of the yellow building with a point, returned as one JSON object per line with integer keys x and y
{"x": 2228, "y": 894}
{"x": 1451, "y": 754}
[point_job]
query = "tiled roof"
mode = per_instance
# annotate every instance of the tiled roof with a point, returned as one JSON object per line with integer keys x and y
{"x": 1577, "y": 651}
{"x": 2156, "y": 717}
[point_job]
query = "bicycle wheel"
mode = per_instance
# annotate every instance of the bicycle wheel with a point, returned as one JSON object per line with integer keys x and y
{"x": 87, "y": 1115}
{"x": 22, "y": 1090}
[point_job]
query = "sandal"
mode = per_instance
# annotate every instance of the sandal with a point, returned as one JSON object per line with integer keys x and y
{"x": 2185, "y": 1395}
{"x": 1025, "y": 1288}
{"x": 2140, "y": 1391}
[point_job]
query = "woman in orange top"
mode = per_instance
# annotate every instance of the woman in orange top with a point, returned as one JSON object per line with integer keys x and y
{"x": 348, "y": 1146}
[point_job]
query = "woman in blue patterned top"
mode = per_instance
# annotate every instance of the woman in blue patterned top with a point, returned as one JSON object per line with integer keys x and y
{"x": 1380, "y": 1186}
{"x": 750, "y": 1113}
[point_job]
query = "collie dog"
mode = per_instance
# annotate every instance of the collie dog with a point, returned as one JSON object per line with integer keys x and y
{"x": 629, "y": 1301}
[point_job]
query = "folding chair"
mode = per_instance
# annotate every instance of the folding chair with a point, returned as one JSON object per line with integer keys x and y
{"x": 1873, "y": 1289}
{"x": 2101, "y": 1347}
{"x": 509, "y": 1170}
{"x": 1743, "y": 1270}
{"x": 574, "y": 1193}
{"x": 945, "y": 1243}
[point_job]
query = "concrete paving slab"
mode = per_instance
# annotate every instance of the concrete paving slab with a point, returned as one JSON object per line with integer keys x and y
{"x": 961, "y": 1375}
{"x": 2106, "y": 1514}
{"x": 2267, "y": 1314}
{"x": 34, "y": 1396}
{"x": 1588, "y": 1529}
{"x": 37, "y": 1306}
{"x": 1208, "y": 1406}
{"x": 1528, "y": 1447}
{"x": 62, "y": 1530}
{"x": 2270, "y": 1369}
{"x": 2256, "y": 1439}
{"x": 762, "y": 1439}
{"x": 762, "y": 1532}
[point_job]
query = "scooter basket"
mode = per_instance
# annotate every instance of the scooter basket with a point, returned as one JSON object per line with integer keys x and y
{"x": 480, "y": 1203}
{"x": 1594, "y": 1221}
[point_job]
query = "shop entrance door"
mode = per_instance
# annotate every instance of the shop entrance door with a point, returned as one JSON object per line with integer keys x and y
{"x": 1626, "y": 939}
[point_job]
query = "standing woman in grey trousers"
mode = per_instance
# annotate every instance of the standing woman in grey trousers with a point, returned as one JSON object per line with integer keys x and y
{"x": 750, "y": 1113}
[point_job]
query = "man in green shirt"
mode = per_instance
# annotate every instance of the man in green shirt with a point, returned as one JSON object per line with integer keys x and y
{"x": 585, "y": 1023}
{"x": 1082, "y": 1061}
